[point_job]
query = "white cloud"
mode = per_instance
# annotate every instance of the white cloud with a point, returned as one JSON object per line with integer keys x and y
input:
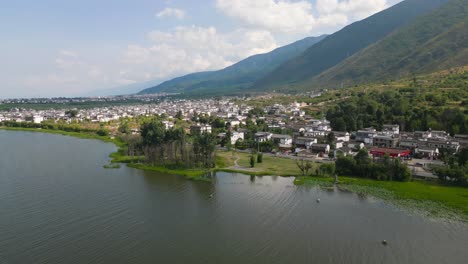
{"x": 68, "y": 53}
{"x": 168, "y": 54}
{"x": 352, "y": 9}
{"x": 67, "y": 59}
{"x": 299, "y": 17}
{"x": 279, "y": 16}
{"x": 171, "y": 12}
{"x": 191, "y": 49}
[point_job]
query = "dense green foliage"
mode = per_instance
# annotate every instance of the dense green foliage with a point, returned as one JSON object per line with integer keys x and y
{"x": 363, "y": 166}
{"x": 260, "y": 157}
{"x": 344, "y": 43}
{"x": 412, "y": 108}
{"x": 453, "y": 174}
{"x": 172, "y": 148}
{"x": 431, "y": 43}
{"x": 236, "y": 77}
{"x": 455, "y": 170}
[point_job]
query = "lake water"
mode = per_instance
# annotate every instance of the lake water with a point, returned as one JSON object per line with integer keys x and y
{"x": 58, "y": 205}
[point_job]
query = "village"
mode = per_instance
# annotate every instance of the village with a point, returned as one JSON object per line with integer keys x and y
{"x": 285, "y": 131}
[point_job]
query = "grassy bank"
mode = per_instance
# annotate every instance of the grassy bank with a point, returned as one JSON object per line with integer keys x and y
{"x": 429, "y": 197}
{"x": 270, "y": 165}
{"x": 188, "y": 173}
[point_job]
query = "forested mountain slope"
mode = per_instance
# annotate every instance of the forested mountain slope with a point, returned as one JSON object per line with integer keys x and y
{"x": 344, "y": 44}
{"x": 432, "y": 43}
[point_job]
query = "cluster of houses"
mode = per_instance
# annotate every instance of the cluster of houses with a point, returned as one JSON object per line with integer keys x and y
{"x": 169, "y": 108}
{"x": 312, "y": 138}
{"x": 425, "y": 144}
{"x": 296, "y": 133}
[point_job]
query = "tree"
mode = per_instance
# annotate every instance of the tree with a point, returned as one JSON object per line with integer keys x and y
{"x": 257, "y": 111}
{"x": 400, "y": 171}
{"x": 331, "y": 138}
{"x": 362, "y": 157}
{"x": 71, "y": 113}
{"x": 260, "y": 157}
{"x": 252, "y": 161}
{"x": 339, "y": 124}
{"x": 152, "y": 132}
{"x": 346, "y": 166}
{"x": 204, "y": 148}
{"x": 463, "y": 157}
{"x": 304, "y": 167}
{"x": 218, "y": 123}
{"x": 124, "y": 128}
{"x": 102, "y": 132}
{"x": 327, "y": 169}
{"x": 179, "y": 115}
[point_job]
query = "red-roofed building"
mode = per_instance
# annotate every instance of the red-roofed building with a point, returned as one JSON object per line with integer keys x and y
{"x": 394, "y": 153}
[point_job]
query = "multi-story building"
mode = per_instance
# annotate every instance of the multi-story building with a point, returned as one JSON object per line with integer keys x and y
{"x": 366, "y": 136}
{"x": 385, "y": 141}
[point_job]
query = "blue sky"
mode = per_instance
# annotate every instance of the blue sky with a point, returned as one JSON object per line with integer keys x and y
{"x": 70, "y": 48}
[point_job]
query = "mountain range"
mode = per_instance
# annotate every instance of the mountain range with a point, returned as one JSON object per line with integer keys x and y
{"x": 412, "y": 37}
{"x": 431, "y": 43}
{"x": 238, "y": 76}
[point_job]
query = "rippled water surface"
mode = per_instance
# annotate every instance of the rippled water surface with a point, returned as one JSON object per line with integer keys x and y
{"x": 58, "y": 205}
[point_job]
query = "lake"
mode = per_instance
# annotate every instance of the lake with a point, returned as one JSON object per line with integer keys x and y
{"x": 59, "y": 205}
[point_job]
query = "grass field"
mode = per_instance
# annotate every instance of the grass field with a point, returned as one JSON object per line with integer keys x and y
{"x": 269, "y": 166}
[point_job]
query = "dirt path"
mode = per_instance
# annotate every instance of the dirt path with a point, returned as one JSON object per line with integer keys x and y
{"x": 240, "y": 168}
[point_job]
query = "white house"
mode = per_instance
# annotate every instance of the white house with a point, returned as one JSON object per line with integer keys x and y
{"x": 262, "y": 136}
{"x": 320, "y": 148}
{"x": 430, "y": 153}
{"x": 200, "y": 129}
{"x": 305, "y": 142}
{"x": 37, "y": 119}
{"x": 168, "y": 124}
{"x": 285, "y": 141}
{"x": 392, "y": 129}
{"x": 366, "y": 135}
{"x": 341, "y": 136}
{"x": 339, "y": 144}
{"x": 236, "y": 136}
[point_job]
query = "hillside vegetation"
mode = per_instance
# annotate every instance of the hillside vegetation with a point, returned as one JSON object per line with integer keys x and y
{"x": 433, "y": 42}
{"x": 344, "y": 43}
{"x": 437, "y": 101}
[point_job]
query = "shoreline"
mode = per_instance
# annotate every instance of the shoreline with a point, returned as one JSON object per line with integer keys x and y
{"x": 117, "y": 156}
{"x": 434, "y": 198}
{"x": 429, "y": 199}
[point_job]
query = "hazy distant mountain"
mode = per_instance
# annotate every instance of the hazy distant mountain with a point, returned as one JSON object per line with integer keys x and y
{"x": 344, "y": 44}
{"x": 236, "y": 77}
{"x": 133, "y": 88}
{"x": 431, "y": 43}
